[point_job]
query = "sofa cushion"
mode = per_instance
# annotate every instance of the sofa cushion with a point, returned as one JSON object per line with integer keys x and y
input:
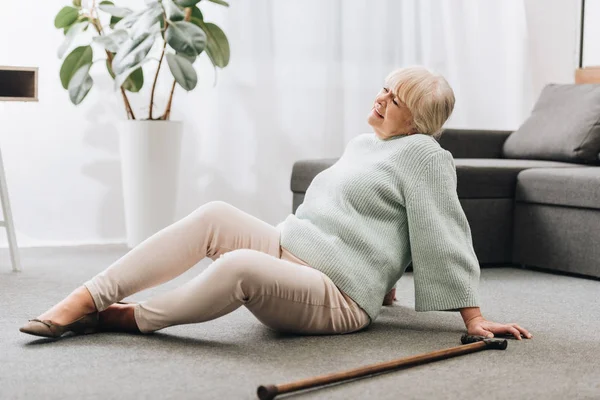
{"x": 495, "y": 178}
{"x": 574, "y": 187}
{"x": 563, "y": 126}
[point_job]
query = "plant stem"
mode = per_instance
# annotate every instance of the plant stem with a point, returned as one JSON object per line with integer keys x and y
{"x": 167, "y": 114}
{"x": 162, "y": 54}
{"x": 125, "y": 99}
{"x": 98, "y": 26}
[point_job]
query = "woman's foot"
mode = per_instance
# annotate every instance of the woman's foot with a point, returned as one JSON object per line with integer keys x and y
{"x": 119, "y": 318}
{"x": 71, "y": 308}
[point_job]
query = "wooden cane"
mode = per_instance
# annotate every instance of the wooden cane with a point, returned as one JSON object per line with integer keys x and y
{"x": 471, "y": 344}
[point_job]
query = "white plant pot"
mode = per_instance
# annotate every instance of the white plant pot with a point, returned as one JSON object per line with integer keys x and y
{"x": 150, "y": 158}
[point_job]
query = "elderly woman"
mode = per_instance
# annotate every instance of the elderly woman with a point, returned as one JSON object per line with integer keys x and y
{"x": 389, "y": 200}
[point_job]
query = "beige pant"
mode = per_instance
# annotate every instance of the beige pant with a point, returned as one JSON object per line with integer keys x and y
{"x": 250, "y": 268}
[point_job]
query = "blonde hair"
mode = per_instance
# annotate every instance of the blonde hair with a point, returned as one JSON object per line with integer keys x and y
{"x": 427, "y": 95}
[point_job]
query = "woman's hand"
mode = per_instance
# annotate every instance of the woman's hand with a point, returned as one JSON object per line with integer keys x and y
{"x": 389, "y": 298}
{"x": 480, "y": 326}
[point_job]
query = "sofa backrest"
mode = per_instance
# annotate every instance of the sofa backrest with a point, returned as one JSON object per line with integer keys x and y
{"x": 474, "y": 143}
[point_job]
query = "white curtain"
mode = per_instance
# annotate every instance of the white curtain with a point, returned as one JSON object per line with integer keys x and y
{"x": 309, "y": 69}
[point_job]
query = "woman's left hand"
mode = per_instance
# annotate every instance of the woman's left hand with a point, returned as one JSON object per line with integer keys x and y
{"x": 482, "y": 327}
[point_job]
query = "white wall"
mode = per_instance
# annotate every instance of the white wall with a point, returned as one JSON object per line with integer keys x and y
{"x": 552, "y": 38}
{"x": 591, "y": 39}
{"x": 241, "y": 137}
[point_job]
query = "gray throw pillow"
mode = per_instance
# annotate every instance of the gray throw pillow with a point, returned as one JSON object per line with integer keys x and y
{"x": 563, "y": 126}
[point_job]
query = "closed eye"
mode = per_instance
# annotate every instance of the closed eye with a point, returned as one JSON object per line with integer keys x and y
{"x": 393, "y": 101}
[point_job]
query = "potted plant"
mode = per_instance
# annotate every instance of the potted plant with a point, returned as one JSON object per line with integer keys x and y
{"x": 150, "y": 145}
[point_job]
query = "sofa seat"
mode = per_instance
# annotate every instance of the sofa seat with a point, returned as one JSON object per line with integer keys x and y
{"x": 572, "y": 187}
{"x": 496, "y": 177}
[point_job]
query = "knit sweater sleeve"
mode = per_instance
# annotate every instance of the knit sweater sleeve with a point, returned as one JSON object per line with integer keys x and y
{"x": 445, "y": 267}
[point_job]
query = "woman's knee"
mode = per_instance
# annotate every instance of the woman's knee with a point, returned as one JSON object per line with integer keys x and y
{"x": 213, "y": 207}
{"x": 238, "y": 262}
{"x": 240, "y": 268}
{"x": 209, "y": 212}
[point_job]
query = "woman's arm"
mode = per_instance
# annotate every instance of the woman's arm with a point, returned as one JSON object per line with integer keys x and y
{"x": 469, "y": 313}
{"x": 445, "y": 267}
{"x": 477, "y": 325}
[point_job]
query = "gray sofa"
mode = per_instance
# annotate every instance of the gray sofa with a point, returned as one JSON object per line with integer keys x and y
{"x": 541, "y": 213}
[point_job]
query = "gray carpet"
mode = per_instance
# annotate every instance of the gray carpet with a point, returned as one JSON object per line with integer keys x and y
{"x": 230, "y": 357}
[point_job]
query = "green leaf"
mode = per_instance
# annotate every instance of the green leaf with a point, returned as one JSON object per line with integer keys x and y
{"x": 183, "y": 71}
{"x": 128, "y": 21}
{"x": 77, "y": 3}
{"x": 122, "y": 77}
{"x": 218, "y": 46}
{"x": 132, "y": 52}
{"x": 81, "y": 18}
{"x": 186, "y": 38}
{"x": 146, "y": 20}
{"x": 80, "y": 84}
{"x": 73, "y": 31}
{"x": 196, "y": 15}
{"x": 112, "y": 41}
{"x": 113, "y": 21}
{"x": 187, "y": 3}
{"x": 110, "y": 71}
{"x": 134, "y": 81}
{"x": 221, "y": 2}
{"x": 65, "y": 17}
{"x": 120, "y": 12}
{"x": 79, "y": 57}
{"x": 191, "y": 59}
{"x": 174, "y": 13}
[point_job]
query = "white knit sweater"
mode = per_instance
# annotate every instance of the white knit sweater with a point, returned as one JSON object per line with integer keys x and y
{"x": 383, "y": 204}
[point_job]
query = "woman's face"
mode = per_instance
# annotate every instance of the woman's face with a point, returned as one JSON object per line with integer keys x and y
{"x": 389, "y": 116}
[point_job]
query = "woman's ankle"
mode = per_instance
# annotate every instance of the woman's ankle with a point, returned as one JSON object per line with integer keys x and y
{"x": 77, "y": 304}
{"x": 85, "y": 299}
{"x": 119, "y": 318}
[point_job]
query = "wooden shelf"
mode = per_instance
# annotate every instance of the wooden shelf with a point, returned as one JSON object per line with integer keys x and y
{"x": 18, "y": 83}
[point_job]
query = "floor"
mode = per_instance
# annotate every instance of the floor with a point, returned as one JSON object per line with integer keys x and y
{"x": 230, "y": 357}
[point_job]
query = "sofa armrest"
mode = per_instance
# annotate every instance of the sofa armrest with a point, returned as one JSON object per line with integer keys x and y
{"x": 474, "y": 143}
